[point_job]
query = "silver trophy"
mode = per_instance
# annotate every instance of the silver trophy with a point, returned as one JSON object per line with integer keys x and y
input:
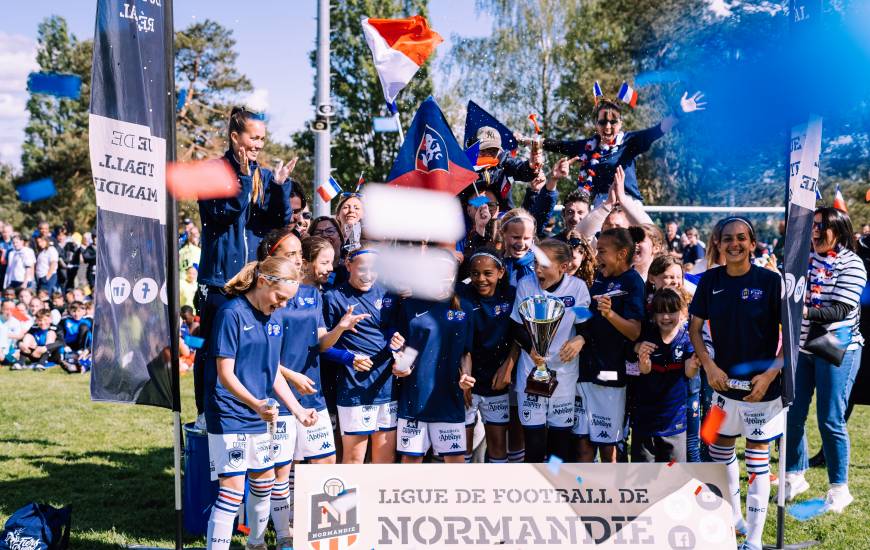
{"x": 541, "y": 317}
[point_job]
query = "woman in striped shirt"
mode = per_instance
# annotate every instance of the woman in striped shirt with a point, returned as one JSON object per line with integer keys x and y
{"x": 835, "y": 281}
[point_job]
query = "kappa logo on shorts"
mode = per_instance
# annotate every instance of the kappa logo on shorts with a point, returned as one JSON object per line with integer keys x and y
{"x": 281, "y": 427}
{"x": 757, "y": 431}
{"x": 236, "y": 456}
{"x": 273, "y": 329}
{"x": 325, "y": 446}
{"x": 603, "y": 434}
{"x": 455, "y": 445}
{"x": 406, "y": 441}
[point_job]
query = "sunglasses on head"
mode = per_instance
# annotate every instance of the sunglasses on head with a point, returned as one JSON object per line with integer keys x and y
{"x": 348, "y": 194}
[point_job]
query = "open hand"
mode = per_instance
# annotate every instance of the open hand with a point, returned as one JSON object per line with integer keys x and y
{"x": 349, "y": 321}
{"x": 694, "y": 103}
{"x": 283, "y": 171}
{"x": 244, "y": 167}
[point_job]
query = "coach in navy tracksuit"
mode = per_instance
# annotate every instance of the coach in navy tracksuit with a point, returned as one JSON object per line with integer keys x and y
{"x": 233, "y": 227}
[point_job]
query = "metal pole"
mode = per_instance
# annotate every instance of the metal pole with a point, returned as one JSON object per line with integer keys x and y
{"x": 399, "y": 126}
{"x": 323, "y": 112}
{"x": 172, "y": 265}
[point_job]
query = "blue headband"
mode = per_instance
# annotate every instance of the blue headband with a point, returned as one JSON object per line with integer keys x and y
{"x": 361, "y": 251}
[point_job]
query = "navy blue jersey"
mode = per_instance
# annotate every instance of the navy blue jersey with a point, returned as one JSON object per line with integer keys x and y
{"x": 253, "y": 340}
{"x": 441, "y": 335}
{"x": 40, "y": 335}
{"x": 300, "y": 347}
{"x": 372, "y": 338}
{"x": 744, "y": 315}
{"x": 492, "y": 341}
{"x": 69, "y": 327}
{"x": 659, "y": 397}
{"x": 605, "y": 348}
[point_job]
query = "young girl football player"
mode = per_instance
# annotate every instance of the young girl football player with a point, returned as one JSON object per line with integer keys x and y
{"x": 617, "y": 312}
{"x": 431, "y": 404}
{"x": 492, "y": 300}
{"x": 547, "y": 421}
{"x": 667, "y": 363}
{"x": 365, "y": 396}
{"x": 742, "y": 303}
{"x": 241, "y": 374}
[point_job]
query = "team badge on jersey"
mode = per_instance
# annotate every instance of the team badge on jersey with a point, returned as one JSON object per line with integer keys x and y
{"x": 613, "y": 286}
{"x": 567, "y": 300}
{"x": 455, "y": 315}
{"x": 273, "y": 329}
{"x": 678, "y": 352}
{"x": 379, "y": 303}
{"x": 756, "y": 294}
{"x": 387, "y": 302}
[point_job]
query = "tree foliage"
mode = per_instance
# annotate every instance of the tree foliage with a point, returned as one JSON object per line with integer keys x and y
{"x": 357, "y": 94}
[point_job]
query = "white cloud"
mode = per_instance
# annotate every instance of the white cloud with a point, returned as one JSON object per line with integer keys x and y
{"x": 722, "y": 8}
{"x": 258, "y": 100}
{"x": 17, "y": 60}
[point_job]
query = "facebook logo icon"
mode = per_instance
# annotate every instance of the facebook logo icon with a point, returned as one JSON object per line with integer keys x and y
{"x": 681, "y": 538}
{"x": 145, "y": 290}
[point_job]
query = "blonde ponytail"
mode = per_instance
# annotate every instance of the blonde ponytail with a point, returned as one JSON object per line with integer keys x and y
{"x": 274, "y": 267}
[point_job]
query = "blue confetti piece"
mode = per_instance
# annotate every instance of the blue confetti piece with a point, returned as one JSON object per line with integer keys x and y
{"x": 473, "y": 152}
{"x": 582, "y": 313}
{"x": 194, "y": 342}
{"x": 478, "y": 201}
{"x": 803, "y": 511}
{"x": 692, "y": 278}
{"x": 56, "y": 84}
{"x": 554, "y": 464}
{"x": 35, "y": 191}
{"x": 752, "y": 367}
{"x": 579, "y": 480}
{"x": 182, "y": 97}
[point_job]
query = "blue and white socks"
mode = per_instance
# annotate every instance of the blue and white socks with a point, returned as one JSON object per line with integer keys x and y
{"x": 223, "y": 514}
{"x": 258, "y": 508}
{"x": 281, "y": 509}
{"x": 757, "y": 495}
{"x": 516, "y": 457}
{"x": 727, "y": 456}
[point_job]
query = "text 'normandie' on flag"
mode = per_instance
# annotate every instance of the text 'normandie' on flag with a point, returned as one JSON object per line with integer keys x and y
{"x": 430, "y": 157}
{"x": 399, "y": 48}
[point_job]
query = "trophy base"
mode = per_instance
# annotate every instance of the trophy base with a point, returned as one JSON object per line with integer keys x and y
{"x": 543, "y": 388}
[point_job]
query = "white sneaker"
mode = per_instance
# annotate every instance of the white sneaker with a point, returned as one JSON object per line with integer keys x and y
{"x": 795, "y": 484}
{"x": 837, "y": 499}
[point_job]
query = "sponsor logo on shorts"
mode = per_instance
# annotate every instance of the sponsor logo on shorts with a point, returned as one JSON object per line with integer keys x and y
{"x": 319, "y": 434}
{"x": 455, "y": 446}
{"x": 281, "y": 427}
{"x": 563, "y": 409}
{"x": 603, "y": 435}
{"x": 603, "y": 421}
{"x": 405, "y": 441}
{"x": 449, "y": 436}
{"x": 757, "y": 431}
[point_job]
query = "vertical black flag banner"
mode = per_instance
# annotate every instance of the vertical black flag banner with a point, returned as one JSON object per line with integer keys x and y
{"x": 805, "y": 148}
{"x": 128, "y": 131}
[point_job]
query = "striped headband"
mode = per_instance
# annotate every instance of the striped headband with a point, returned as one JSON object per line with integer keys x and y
{"x": 496, "y": 259}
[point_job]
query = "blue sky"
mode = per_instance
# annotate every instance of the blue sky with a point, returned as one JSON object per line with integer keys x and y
{"x": 273, "y": 50}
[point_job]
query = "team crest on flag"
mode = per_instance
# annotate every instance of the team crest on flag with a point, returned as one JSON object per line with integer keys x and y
{"x": 432, "y": 152}
{"x": 334, "y": 517}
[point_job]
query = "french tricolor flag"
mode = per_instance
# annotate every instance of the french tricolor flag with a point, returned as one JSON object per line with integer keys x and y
{"x": 839, "y": 201}
{"x": 399, "y": 48}
{"x": 627, "y": 94}
{"x": 596, "y": 92}
{"x": 329, "y": 190}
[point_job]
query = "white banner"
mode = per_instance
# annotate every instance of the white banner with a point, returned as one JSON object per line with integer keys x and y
{"x": 803, "y": 174}
{"x": 512, "y": 506}
{"x": 129, "y": 168}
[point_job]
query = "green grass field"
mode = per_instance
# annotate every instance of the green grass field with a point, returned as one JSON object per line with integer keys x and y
{"x": 113, "y": 464}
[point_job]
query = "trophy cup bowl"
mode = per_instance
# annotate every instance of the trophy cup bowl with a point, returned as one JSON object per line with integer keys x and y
{"x": 541, "y": 316}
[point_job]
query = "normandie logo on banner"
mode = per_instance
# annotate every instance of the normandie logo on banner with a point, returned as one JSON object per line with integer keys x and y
{"x": 334, "y": 524}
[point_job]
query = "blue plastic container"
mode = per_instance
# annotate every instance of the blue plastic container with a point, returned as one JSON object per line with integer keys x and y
{"x": 200, "y": 492}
